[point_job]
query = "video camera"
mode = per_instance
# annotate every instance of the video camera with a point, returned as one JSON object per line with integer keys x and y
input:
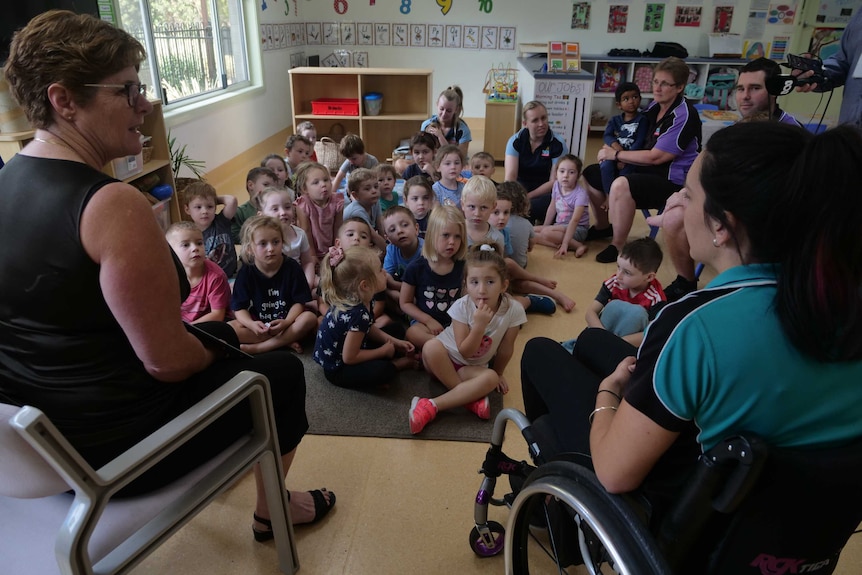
{"x": 783, "y": 84}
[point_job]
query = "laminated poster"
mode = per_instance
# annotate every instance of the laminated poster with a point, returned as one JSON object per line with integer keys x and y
{"x": 723, "y": 19}
{"x": 688, "y": 16}
{"x": 618, "y": 17}
{"x": 580, "y": 15}
{"x": 654, "y": 18}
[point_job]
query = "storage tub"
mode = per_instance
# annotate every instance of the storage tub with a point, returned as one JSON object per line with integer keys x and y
{"x": 335, "y": 107}
{"x": 373, "y": 103}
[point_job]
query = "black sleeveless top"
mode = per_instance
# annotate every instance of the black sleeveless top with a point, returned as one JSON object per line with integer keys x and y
{"x": 60, "y": 347}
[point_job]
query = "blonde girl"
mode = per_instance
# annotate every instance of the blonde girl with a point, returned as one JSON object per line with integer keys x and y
{"x": 318, "y": 210}
{"x": 450, "y": 128}
{"x": 278, "y": 203}
{"x": 469, "y": 356}
{"x": 352, "y": 351}
{"x": 448, "y": 162}
{"x": 568, "y": 217}
{"x": 432, "y": 283}
{"x": 270, "y": 293}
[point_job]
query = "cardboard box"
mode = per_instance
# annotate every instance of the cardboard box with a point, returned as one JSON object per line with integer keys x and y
{"x": 128, "y": 166}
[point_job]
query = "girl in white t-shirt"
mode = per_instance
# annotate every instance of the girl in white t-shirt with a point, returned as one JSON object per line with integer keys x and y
{"x": 485, "y": 323}
{"x": 278, "y": 203}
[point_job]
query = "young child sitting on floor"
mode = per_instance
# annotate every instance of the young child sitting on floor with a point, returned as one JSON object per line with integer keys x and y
{"x": 404, "y": 247}
{"x": 297, "y": 150}
{"x": 199, "y": 202}
{"x": 419, "y": 199}
{"x": 278, "y": 203}
{"x": 353, "y": 352}
{"x": 630, "y": 298}
{"x": 353, "y": 148}
{"x": 513, "y": 214}
{"x": 209, "y": 299}
{"x": 423, "y": 146}
{"x": 362, "y": 185}
{"x": 270, "y": 293}
{"x": 386, "y": 179}
{"x": 278, "y": 166}
{"x": 256, "y": 180}
{"x": 568, "y": 217}
{"x": 482, "y": 164}
{"x": 470, "y": 355}
{"x": 448, "y": 162}
{"x": 318, "y": 209}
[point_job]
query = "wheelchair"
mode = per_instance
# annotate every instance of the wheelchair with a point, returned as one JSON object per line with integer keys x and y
{"x": 745, "y": 508}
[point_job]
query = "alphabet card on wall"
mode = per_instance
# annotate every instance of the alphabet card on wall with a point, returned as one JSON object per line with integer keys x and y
{"x": 381, "y": 34}
{"x": 365, "y": 34}
{"x": 471, "y": 36}
{"x": 312, "y": 33}
{"x": 453, "y": 35}
{"x": 489, "y": 37}
{"x": 507, "y": 38}
{"x": 399, "y": 34}
{"x": 330, "y": 33}
{"x": 435, "y": 35}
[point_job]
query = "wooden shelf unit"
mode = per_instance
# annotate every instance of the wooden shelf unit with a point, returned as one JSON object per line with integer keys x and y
{"x": 160, "y": 162}
{"x": 406, "y": 101}
{"x": 501, "y": 121}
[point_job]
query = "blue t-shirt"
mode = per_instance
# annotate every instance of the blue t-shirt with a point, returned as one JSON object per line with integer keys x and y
{"x": 448, "y": 196}
{"x": 218, "y": 245}
{"x": 630, "y": 135}
{"x": 435, "y": 294}
{"x": 423, "y": 226}
{"x": 268, "y": 299}
{"x": 394, "y": 263}
{"x": 333, "y": 330}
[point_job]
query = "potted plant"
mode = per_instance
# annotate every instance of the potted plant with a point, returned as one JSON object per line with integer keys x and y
{"x": 180, "y": 158}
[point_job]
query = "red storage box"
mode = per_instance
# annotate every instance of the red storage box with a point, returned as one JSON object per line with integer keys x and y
{"x": 335, "y": 107}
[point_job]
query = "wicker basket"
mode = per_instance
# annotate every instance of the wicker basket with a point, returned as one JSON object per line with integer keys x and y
{"x": 326, "y": 150}
{"x": 147, "y": 153}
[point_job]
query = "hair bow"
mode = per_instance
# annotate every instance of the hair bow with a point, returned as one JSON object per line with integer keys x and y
{"x": 336, "y": 256}
{"x": 487, "y": 248}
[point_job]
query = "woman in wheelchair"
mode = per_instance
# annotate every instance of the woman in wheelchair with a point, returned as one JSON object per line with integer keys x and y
{"x": 772, "y": 346}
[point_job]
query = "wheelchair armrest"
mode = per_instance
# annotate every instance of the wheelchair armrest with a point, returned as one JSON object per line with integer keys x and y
{"x": 722, "y": 478}
{"x": 47, "y": 440}
{"x": 743, "y": 458}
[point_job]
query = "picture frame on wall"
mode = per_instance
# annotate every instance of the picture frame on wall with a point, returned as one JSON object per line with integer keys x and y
{"x": 400, "y": 34}
{"x": 489, "y": 38}
{"x": 435, "y": 35}
{"x": 360, "y": 59}
{"x": 331, "y": 37}
{"x": 348, "y": 33}
{"x": 507, "y": 38}
{"x": 365, "y": 34}
{"x": 381, "y": 34}
{"x": 313, "y": 35}
{"x": 453, "y": 35}
{"x": 330, "y": 61}
{"x": 417, "y": 35}
{"x": 345, "y": 58}
{"x": 471, "y": 36}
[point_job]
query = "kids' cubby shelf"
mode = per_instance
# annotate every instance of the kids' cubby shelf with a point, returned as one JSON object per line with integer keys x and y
{"x": 406, "y": 101}
{"x": 610, "y": 69}
{"x": 155, "y": 172}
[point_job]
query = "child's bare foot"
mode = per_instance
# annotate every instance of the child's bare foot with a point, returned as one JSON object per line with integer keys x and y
{"x": 580, "y": 251}
{"x": 295, "y": 347}
{"x": 405, "y": 363}
{"x": 552, "y": 284}
{"x": 567, "y": 303}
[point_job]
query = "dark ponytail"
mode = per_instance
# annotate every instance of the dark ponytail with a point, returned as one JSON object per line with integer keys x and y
{"x": 817, "y": 223}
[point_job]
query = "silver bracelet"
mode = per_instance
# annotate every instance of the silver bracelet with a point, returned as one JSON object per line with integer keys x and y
{"x": 598, "y": 409}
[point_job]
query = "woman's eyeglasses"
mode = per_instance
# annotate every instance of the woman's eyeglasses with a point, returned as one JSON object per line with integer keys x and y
{"x": 663, "y": 85}
{"x": 133, "y": 90}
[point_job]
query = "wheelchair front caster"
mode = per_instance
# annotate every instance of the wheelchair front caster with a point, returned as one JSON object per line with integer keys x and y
{"x": 491, "y": 543}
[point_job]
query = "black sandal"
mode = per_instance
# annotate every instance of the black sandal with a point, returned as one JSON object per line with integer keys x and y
{"x": 321, "y": 509}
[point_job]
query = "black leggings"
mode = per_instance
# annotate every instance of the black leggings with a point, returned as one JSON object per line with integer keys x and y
{"x": 287, "y": 382}
{"x": 368, "y": 373}
{"x": 563, "y": 386}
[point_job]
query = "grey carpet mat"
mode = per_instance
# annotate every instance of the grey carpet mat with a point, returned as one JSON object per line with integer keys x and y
{"x": 382, "y": 412}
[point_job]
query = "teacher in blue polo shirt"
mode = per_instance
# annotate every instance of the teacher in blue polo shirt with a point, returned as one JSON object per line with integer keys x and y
{"x": 530, "y": 157}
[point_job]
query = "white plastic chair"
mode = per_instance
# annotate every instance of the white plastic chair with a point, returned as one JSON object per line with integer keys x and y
{"x": 45, "y": 530}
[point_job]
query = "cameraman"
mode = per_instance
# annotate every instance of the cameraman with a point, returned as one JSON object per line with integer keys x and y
{"x": 840, "y": 67}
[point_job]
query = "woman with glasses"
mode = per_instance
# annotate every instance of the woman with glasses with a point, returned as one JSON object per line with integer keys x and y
{"x": 672, "y": 144}
{"x": 90, "y": 299}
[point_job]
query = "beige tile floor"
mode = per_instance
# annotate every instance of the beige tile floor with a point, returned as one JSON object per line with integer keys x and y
{"x": 404, "y": 506}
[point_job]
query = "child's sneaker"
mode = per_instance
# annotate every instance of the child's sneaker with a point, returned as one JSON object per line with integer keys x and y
{"x": 422, "y": 412}
{"x": 541, "y": 304}
{"x": 481, "y": 407}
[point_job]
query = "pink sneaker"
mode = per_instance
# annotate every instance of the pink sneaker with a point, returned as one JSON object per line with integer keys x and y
{"x": 481, "y": 407}
{"x": 422, "y": 412}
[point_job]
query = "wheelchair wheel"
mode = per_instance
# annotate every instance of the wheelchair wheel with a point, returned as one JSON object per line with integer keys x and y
{"x": 563, "y": 517}
{"x": 480, "y": 547}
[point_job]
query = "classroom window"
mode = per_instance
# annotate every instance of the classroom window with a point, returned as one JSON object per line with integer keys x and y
{"x": 195, "y": 48}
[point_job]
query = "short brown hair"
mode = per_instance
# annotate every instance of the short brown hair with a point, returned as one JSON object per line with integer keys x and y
{"x": 70, "y": 49}
{"x": 183, "y": 226}
{"x": 199, "y": 189}
{"x": 482, "y": 156}
{"x": 351, "y": 144}
{"x": 386, "y": 169}
{"x": 358, "y": 176}
{"x": 398, "y": 210}
{"x": 445, "y": 151}
{"x": 293, "y": 139}
{"x": 644, "y": 254}
{"x": 676, "y": 67}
